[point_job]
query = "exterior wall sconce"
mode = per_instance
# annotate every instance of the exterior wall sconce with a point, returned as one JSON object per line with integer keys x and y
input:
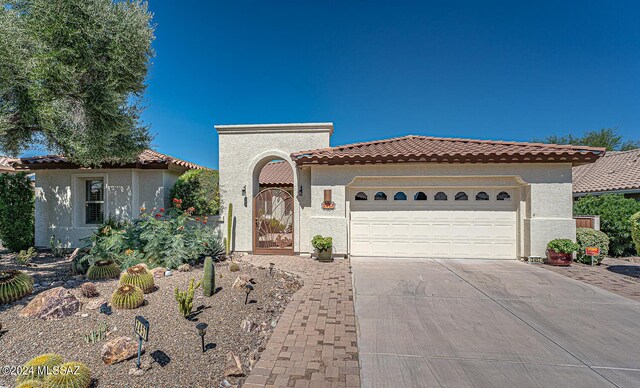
{"x": 300, "y": 190}
{"x": 244, "y": 190}
{"x": 328, "y": 203}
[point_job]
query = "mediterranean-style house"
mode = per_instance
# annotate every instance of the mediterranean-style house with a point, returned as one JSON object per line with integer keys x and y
{"x": 615, "y": 173}
{"x": 411, "y": 196}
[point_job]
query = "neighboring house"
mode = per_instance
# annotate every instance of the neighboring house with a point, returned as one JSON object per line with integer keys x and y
{"x": 72, "y": 200}
{"x": 412, "y": 196}
{"x": 615, "y": 173}
{"x": 6, "y": 165}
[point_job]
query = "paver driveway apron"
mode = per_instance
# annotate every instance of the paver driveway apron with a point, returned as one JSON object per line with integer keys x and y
{"x": 490, "y": 323}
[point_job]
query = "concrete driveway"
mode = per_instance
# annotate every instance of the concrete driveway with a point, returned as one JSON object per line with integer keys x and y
{"x": 484, "y": 323}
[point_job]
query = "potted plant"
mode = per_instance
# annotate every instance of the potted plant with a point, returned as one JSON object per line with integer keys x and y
{"x": 323, "y": 247}
{"x": 560, "y": 252}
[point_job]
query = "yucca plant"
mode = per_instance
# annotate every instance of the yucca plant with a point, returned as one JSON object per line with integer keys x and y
{"x": 103, "y": 269}
{"x": 127, "y": 297}
{"x": 71, "y": 375}
{"x": 138, "y": 276}
{"x": 14, "y": 285}
{"x": 38, "y": 366}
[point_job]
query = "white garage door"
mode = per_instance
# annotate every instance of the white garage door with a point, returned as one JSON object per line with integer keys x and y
{"x": 479, "y": 224}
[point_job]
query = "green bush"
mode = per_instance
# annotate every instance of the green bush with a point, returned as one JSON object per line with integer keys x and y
{"x": 563, "y": 245}
{"x": 160, "y": 238}
{"x": 16, "y": 212}
{"x": 635, "y": 231}
{"x": 615, "y": 213}
{"x": 322, "y": 243}
{"x": 198, "y": 189}
{"x": 587, "y": 237}
{"x": 24, "y": 257}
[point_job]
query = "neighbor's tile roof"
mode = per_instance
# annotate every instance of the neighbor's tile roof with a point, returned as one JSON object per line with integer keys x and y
{"x": 447, "y": 150}
{"x": 6, "y": 163}
{"x": 276, "y": 173}
{"x": 146, "y": 158}
{"x": 614, "y": 171}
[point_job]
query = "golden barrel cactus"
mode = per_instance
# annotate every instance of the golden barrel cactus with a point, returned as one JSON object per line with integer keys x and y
{"x": 39, "y": 366}
{"x": 70, "y": 375}
{"x": 14, "y": 285}
{"x": 103, "y": 269}
{"x": 138, "y": 276}
{"x": 127, "y": 297}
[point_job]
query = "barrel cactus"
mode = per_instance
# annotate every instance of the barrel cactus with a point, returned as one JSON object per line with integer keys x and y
{"x": 71, "y": 375}
{"x": 138, "y": 276}
{"x": 127, "y": 297}
{"x": 209, "y": 280}
{"x": 103, "y": 269}
{"x": 39, "y": 366}
{"x": 14, "y": 285}
{"x": 32, "y": 384}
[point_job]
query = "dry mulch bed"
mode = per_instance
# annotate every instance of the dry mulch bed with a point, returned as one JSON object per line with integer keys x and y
{"x": 174, "y": 348}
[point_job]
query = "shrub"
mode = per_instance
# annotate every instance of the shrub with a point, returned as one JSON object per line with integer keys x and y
{"x": 127, "y": 297}
{"x": 138, "y": 276}
{"x": 14, "y": 285}
{"x": 198, "y": 189}
{"x": 322, "y": 243}
{"x": 38, "y": 366}
{"x": 563, "y": 245}
{"x": 24, "y": 257}
{"x": 16, "y": 212}
{"x": 615, "y": 212}
{"x": 587, "y": 237}
{"x": 185, "y": 298}
{"x": 70, "y": 375}
{"x": 103, "y": 269}
{"x": 635, "y": 231}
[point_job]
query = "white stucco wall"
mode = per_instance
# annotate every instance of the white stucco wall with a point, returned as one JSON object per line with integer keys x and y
{"x": 60, "y": 199}
{"x": 544, "y": 205}
{"x": 243, "y": 151}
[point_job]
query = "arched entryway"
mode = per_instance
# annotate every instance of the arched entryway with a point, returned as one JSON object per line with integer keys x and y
{"x": 273, "y": 208}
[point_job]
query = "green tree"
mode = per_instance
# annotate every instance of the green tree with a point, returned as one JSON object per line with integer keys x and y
{"x": 72, "y": 77}
{"x": 16, "y": 212}
{"x": 609, "y": 138}
{"x": 198, "y": 189}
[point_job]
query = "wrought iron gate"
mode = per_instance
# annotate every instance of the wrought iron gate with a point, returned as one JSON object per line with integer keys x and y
{"x": 273, "y": 222}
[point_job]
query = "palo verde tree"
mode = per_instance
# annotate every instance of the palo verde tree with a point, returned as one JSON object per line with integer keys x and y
{"x": 72, "y": 77}
{"x": 609, "y": 138}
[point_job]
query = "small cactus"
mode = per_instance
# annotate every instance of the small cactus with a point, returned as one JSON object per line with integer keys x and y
{"x": 96, "y": 335}
{"x": 209, "y": 280}
{"x": 127, "y": 297}
{"x": 185, "y": 298}
{"x": 39, "y": 366}
{"x": 14, "y": 285}
{"x": 89, "y": 290}
{"x": 227, "y": 242}
{"x": 71, "y": 375}
{"x": 103, "y": 269}
{"x": 234, "y": 267}
{"x": 138, "y": 276}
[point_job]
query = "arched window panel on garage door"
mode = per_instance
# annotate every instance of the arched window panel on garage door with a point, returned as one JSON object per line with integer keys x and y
{"x": 361, "y": 196}
{"x": 400, "y": 196}
{"x": 482, "y": 196}
{"x": 440, "y": 196}
{"x": 461, "y": 196}
{"x": 503, "y": 196}
{"x": 380, "y": 196}
{"x": 420, "y": 196}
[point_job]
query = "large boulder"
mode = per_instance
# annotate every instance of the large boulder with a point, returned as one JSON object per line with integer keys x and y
{"x": 118, "y": 350}
{"x": 55, "y": 303}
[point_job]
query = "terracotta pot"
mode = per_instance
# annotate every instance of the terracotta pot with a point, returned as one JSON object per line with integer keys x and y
{"x": 325, "y": 256}
{"x": 558, "y": 258}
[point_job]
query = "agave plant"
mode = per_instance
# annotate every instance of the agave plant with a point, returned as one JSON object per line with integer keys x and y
{"x": 138, "y": 276}
{"x": 14, "y": 285}
{"x": 71, "y": 375}
{"x": 127, "y": 297}
{"x": 103, "y": 269}
{"x": 38, "y": 366}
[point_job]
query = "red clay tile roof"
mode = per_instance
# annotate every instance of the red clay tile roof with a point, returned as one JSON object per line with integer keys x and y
{"x": 447, "y": 150}
{"x": 6, "y": 164}
{"x": 276, "y": 174}
{"x": 614, "y": 171}
{"x": 147, "y": 158}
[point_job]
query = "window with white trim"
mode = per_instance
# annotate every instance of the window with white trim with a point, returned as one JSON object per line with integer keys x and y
{"x": 94, "y": 201}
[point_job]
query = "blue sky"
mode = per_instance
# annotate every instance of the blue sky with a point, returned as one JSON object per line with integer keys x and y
{"x": 480, "y": 69}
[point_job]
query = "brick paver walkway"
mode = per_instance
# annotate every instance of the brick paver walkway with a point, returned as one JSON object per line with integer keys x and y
{"x": 617, "y": 276}
{"x": 314, "y": 343}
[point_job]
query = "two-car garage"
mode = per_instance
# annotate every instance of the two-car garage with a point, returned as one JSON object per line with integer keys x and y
{"x": 434, "y": 222}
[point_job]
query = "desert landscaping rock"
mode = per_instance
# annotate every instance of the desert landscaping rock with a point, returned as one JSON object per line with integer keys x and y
{"x": 233, "y": 366}
{"x": 184, "y": 268}
{"x": 95, "y": 304}
{"x": 118, "y": 350}
{"x": 55, "y": 303}
{"x": 241, "y": 281}
{"x": 158, "y": 273}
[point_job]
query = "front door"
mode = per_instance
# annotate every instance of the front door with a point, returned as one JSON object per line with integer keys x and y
{"x": 273, "y": 222}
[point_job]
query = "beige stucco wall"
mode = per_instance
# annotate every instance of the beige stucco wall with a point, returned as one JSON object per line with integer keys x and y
{"x": 544, "y": 202}
{"x": 60, "y": 199}
{"x": 243, "y": 151}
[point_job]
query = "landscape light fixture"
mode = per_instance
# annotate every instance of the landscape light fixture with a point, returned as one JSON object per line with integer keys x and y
{"x": 202, "y": 330}
{"x": 248, "y": 288}
{"x": 271, "y": 265}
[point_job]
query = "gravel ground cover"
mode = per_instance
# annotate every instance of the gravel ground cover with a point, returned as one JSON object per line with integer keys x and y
{"x": 174, "y": 348}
